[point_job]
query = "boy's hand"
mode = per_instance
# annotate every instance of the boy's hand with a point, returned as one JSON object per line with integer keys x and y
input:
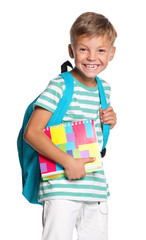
{"x": 75, "y": 168}
{"x": 108, "y": 116}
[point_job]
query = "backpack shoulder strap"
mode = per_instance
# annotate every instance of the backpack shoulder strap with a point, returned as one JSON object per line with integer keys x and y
{"x": 64, "y": 102}
{"x": 106, "y": 127}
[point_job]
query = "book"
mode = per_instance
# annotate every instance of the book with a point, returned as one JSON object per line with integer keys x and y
{"x": 77, "y": 139}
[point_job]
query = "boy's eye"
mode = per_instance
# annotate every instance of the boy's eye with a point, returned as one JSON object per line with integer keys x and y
{"x": 83, "y": 49}
{"x": 101, "y": 50}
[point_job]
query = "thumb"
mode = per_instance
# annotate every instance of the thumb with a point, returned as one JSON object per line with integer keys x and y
{"x": 101, "y": 114}
{"x": 101, "y": 111}
{"x": 88, "y": 160}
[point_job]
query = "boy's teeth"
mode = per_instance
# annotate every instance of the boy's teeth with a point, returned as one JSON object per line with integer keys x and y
{"x": 91, "y": 66}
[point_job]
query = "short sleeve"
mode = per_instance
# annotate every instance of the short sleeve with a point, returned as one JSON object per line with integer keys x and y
{"x": 107, "y": 90}
{"x": 50, "y": 98}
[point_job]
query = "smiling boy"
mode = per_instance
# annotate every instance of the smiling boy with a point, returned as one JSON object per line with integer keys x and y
{"x": 79, "y": 199}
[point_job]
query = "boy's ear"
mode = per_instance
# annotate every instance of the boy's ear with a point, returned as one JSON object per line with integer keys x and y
{"x": 70, "y": 50}
{"x": 112, "y": 54}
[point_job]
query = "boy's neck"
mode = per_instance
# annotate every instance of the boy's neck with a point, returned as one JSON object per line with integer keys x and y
{"x": 89, "y": 82}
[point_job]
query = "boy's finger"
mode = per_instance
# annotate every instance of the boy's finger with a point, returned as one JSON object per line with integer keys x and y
{"x": 108, "y": 109}
{"x": 110, "y": 114}
{"x": 108, "y": 117}
{"x": 88, "y": 160}
{"x": 100, "y": 111}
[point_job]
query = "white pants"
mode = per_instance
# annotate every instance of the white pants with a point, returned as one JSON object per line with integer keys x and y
{"x": 60, "y": 217}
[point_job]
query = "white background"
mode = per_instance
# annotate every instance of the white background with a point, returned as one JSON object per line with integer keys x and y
{"x": 33, "y": 45}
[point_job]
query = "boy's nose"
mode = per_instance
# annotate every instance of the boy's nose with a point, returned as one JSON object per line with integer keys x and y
{"x": 91, "y": 56}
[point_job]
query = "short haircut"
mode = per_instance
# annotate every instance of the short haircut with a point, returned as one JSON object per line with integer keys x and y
{"x": 92, "y": 24}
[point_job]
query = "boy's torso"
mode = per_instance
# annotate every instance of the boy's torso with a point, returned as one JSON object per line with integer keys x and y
{"x": 85, "y": 105}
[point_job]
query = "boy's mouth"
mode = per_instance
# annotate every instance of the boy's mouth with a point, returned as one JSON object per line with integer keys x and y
{"x": 91, "y": 66}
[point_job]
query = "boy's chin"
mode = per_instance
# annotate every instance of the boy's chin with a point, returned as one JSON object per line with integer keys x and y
{"x": 90, "y": 75}
{"x": 81, "y": 73}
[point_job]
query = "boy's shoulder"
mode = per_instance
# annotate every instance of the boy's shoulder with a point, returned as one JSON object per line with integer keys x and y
{"x": 57, "y": 80}
{"x": 56, "y": 83}
{"x": 105, "y": 84}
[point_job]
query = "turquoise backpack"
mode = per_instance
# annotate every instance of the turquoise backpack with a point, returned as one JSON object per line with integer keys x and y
{"x": 28, "y": 157}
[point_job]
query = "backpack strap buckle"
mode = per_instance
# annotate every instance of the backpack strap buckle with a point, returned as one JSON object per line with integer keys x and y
{"x": 103, "y": 152}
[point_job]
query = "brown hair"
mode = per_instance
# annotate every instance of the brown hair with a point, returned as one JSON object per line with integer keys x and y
{"x": 91, "y": 24}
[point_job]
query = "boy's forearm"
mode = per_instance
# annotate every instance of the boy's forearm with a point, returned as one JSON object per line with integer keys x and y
{"x": 43, "y": 144}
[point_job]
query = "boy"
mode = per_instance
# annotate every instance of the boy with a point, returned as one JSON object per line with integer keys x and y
{"x": 79, "y": 199}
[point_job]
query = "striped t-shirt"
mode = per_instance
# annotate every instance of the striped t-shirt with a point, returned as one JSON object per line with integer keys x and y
{"x": 85, "y": 105}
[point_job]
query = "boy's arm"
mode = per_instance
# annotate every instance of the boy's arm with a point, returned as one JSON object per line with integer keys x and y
{"x": 34, "y": 135}
{"x": 108, "y": 116}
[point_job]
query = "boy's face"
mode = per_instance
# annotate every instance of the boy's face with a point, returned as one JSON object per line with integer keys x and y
{"x": 91, "y": 55}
